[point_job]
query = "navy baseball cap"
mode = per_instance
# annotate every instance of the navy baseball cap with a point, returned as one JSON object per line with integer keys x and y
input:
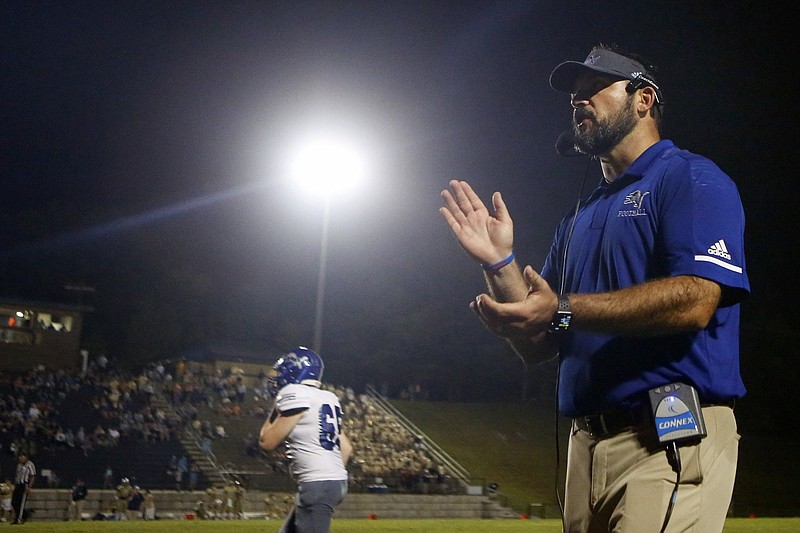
{"x": 606, "y": 62}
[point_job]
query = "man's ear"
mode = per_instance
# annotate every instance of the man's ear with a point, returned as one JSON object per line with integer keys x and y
{"x": 646, "y": 99}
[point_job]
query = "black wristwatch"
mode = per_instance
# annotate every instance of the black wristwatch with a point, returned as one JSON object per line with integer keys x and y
{"x": 562, "y": 317}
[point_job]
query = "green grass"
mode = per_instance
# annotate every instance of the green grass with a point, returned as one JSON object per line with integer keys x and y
{"x": 509, "y": 444}
{"x": 736, "y": 525}
{"x": 514, "y": 445}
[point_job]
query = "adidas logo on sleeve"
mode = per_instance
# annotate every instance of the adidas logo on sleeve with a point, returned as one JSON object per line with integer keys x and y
{"x": 718, "y": 254}
{"x": 719, "y": 249}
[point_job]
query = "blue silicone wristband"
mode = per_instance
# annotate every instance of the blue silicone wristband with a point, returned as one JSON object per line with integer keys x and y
{"x": 500, "y": 264}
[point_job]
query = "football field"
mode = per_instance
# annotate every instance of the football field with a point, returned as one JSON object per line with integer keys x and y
{"x": 737, "y": 525}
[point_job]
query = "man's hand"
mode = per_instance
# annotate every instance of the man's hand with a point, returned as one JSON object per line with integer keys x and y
{"x": 524, "y": 323}
{"x": 525, "y": 319}
{"x": 485, "y": 237}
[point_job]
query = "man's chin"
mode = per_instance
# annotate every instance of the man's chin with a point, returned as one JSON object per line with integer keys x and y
{"x": 583, "y": 144}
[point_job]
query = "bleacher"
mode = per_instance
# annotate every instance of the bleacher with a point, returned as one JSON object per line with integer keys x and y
{"x": 265, "y": 471}
{"x": 385, "y": 454}
{"x": 145, "y": 463}
{"x": 236, "y": 456}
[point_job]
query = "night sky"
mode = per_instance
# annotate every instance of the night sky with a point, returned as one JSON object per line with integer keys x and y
{"x": 142, "y": 149}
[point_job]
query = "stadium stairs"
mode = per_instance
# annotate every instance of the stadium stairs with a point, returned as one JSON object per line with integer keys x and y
{"x": 209, "y": 469}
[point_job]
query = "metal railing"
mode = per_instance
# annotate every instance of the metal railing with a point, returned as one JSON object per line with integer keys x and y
{"x": 454, "y": 468}
{"x": 209, "y": 456}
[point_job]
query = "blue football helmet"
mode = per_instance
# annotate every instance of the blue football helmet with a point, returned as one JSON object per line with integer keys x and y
{"x": 301, "y": 366}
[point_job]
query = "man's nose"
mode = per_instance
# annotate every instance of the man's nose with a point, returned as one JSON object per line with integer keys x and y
{"x": 577, "y": 100}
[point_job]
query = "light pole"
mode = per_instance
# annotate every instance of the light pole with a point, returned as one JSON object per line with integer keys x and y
{"x": 325, "y": 166}
{"x": 323, "y": 259}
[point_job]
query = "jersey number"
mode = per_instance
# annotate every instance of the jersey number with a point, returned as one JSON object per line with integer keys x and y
{"x": 330, "y": 422}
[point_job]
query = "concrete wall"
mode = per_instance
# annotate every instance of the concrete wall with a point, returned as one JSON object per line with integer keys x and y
{"x": 50, "y": 504}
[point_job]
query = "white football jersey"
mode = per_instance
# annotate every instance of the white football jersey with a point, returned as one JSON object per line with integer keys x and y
{"x": 313, "y": 444}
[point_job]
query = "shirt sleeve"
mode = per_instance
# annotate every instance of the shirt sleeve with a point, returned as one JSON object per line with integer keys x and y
{"x": 292, "y": 397}
{"x": 702, "y": 225}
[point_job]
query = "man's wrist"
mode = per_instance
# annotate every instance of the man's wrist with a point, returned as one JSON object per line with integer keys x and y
{"x": 495, "y": 267}
{"x": 562, "y": 318}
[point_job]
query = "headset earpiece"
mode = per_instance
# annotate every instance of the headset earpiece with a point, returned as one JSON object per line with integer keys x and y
{"x": 640, "y": 82}
{"x": 633, "y": 86}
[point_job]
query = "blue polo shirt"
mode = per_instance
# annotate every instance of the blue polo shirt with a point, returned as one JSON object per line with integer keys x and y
{"x": 671, "y": 213}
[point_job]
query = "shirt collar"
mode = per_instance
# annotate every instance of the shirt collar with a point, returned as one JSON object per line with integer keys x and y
{"x": 640, "y": 166}
{"x": 643, "y": 162}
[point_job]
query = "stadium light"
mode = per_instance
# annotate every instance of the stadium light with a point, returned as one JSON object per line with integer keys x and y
{"x": 326, "y": 166}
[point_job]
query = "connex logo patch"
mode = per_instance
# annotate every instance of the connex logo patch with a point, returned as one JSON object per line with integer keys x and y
{"x": 673, "y": 417}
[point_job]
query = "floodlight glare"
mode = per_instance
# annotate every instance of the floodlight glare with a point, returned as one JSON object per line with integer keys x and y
{"x": 327, "y": 166}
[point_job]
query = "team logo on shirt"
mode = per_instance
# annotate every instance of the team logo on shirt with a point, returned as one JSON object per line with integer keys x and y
{"x": 636, "y": 198}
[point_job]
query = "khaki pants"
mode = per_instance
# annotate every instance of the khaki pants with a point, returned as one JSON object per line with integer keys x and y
{"x": 75, "y": 509}
{"x": 623, "y": 483}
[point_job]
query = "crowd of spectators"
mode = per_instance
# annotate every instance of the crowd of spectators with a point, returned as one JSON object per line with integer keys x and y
{"x": 28, "y": 403}
{"x": 45, "y": 411}
{"x": 384, "y": 451}
{"x": 200, "y": 401}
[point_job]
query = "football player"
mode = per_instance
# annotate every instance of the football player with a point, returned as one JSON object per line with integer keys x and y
{"x": 309, "y": 420}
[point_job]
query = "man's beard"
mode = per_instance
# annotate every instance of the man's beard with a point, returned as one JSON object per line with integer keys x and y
{"x": 601, "y": 136}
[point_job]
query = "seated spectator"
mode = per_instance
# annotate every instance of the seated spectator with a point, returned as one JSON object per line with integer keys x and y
{"x": 135, "y": 501}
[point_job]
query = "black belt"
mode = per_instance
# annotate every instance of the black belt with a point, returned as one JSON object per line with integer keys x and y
{"x": 611, "y": 422}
